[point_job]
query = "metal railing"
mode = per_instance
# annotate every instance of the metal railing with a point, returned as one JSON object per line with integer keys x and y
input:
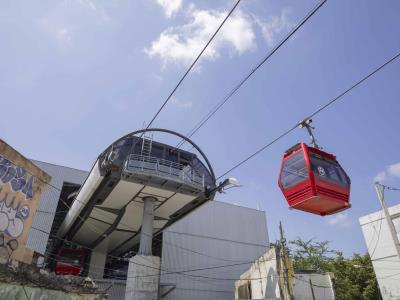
{"x": 166, "y": 168}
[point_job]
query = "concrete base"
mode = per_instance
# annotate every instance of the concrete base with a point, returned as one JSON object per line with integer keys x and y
{"x": 143, "y": 278}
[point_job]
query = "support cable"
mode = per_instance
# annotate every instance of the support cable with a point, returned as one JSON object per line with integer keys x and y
{"x": 320, "y": 109}
{"x": 251, "y": 73}
{"x": 185, "y": 74}
{"x": 193, "y": 63}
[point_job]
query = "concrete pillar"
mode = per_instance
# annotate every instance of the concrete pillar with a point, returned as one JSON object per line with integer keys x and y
{"x": 146, "y": 233}
{"x": 143, "y": 278}
{"x": 98, "y": 260}
{"x": 97, "y": 264}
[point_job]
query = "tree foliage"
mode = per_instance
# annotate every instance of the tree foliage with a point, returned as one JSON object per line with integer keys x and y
{"x": 354, "y": 277}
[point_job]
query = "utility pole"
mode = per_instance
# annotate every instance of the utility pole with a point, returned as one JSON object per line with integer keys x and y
{"x": 381, "y": 196}
{"x": 284, "y": 267}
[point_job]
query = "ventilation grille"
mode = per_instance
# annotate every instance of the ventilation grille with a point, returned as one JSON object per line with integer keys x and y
{"x": 299, "y": 195}
{"x": 331, "y": 193}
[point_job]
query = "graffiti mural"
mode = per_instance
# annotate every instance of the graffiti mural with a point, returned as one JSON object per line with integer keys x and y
{"x": 12, "y": 214}
{"x": 21, "y": 186}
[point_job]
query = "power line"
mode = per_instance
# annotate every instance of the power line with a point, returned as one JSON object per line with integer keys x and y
{"x": 193, "y": 63}
{"x": 112, "y": 256}
{"x": 183, "y": 272}
{"x": 101, "y": 212}
{"x": 240, "y": 84}
{"x": 67, "y": 205}
{"x": 314, "y": 113}
{"x": 378, "y": 237}
{"x": 85, "y": 221}
{"x": 165, "y": 271}
{"x": 390, "y": 188}
{"x": 185, "y": 74}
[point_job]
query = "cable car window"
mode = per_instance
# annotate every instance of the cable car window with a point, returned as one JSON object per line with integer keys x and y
{"x": 294, "y": 170}
{"x": 157, "y": 151}
{"x": 70, "y": 257}
{"x": 327, "y": 169}
{"x": 172, "y": 155}
{"x": 185, "y": 158}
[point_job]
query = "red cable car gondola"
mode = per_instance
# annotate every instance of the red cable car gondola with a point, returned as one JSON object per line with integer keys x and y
{"x": 312, "y": 180}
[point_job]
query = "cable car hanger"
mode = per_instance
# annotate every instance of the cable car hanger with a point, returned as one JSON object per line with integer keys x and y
{"x": 306, "y": 124}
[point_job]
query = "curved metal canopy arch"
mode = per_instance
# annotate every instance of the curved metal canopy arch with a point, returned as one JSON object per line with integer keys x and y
{"x": 133, "y": 133}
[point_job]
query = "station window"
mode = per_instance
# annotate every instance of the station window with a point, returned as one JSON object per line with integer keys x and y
{"x": 157, "y": 151}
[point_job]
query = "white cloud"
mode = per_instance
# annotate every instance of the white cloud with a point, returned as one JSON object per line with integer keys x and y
{"x": 98, "y": 10}
{"x": 340, "y": 220}
{"x": 62, "y": 33}
{"x": 391, "y": 172}
{"x": 181, "y": 103}
{"x": 171, "y": 7}
{"x": 275, "y": 25}
{"x": 60, "y": 23}
{"x": 182, "y": 44}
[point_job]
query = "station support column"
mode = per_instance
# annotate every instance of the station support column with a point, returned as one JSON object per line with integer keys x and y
{"x": 144, "y": 269}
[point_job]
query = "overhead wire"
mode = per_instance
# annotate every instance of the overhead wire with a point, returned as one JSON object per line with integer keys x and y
{"x": 251, "y": 73}
{"x": 390, "y": 188}
{"x": 164, "y": 270}
{"x": 319, "y": 110}
{"x": 88, "y": 248}
{"x": 378, "y": 233}
{"x": 67, "y": 205}
{"x": 193, "y": 63}
{"x": 213, "y": 36}
{"x": 90, "y": 227}
{"x": 101, "y": 212}
{"x": 167, "y": 272}
{"x": 378, "y": 236}
{"x": 169, "y": 97}
{"x": 329, "y": 103}
{"x": 384, "y": 187}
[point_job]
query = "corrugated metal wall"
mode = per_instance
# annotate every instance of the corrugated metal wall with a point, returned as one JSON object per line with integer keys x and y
{"x": 37, "y": 240}
{"x": 216, "y": 234}
{"x": 115, "y": 289}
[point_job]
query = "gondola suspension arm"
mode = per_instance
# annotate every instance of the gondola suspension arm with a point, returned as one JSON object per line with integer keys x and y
{"x": 306, "y": 123}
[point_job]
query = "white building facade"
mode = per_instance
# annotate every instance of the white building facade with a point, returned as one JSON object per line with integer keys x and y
{"x": 263, "y": 280}
{"x": 381, "y": 248}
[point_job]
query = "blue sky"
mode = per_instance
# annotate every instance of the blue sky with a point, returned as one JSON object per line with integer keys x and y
{"x": 76, "y": 75}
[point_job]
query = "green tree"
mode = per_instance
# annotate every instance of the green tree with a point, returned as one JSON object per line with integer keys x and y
{"x": 354, "y": 277}
{"x": 311, "y": 256}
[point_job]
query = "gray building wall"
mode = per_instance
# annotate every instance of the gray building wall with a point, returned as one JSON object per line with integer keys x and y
{"x": 43, "y": 219}
{"x": 115, "y": 289}
{"x": 216, "y": 234}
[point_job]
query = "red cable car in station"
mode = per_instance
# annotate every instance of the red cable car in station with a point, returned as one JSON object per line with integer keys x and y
{"x": 70, "y": 261}
{"x": 312, "y": 180}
